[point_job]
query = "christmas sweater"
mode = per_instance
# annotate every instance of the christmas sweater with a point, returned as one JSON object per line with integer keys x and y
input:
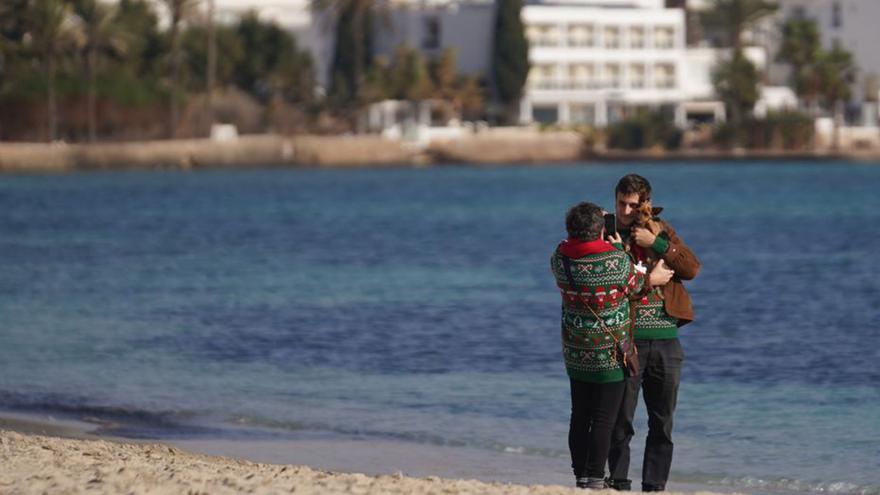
{"x": 604, "y": 277}
{"x": 652, "y": 320}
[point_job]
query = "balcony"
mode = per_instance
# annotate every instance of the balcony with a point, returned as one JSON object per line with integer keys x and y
{"x": 545, "y": 41}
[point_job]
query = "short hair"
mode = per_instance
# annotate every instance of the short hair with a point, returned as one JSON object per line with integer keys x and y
{"x": 584, "y": 221}
{"x": 634, "y": 184}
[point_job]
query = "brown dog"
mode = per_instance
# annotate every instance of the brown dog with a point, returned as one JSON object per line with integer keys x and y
{"x": 647, "y": 218}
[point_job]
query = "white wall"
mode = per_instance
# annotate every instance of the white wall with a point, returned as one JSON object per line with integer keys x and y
{"x": 466, "y": 28}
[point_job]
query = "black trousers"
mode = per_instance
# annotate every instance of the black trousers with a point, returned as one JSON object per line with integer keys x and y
{"x": 660, "y": 376}
{"x": 594, "y": 408}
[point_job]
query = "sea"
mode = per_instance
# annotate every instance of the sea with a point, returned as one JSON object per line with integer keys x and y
{"x": 415, "y": 307}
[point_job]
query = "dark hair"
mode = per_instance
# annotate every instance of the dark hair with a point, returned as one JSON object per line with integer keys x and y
{"x": 634, "y": 184}
{"x": 584, "y": 221}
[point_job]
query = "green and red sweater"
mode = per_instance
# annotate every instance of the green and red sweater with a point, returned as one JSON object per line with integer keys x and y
{"x": 604, "y": 278}
{"x": 652, "y": 320}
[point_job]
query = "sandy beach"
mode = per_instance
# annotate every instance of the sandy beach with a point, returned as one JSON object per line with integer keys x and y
{"x": 37, "y": 463}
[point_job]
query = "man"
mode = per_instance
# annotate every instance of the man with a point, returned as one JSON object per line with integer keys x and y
{"x": 596, "y": 280}
{"x": 658, "y": 316}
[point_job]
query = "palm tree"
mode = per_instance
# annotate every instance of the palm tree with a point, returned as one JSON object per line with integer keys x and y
{"x": 102, "y": 32}
{"x": 736, "y": 84}
{"x": 733, "y": 17}
{"x": 179, "y": 10}
{"x": 51, "y": 26}
{"x": 836, "y": 72}
{"x": 801, "y": 48}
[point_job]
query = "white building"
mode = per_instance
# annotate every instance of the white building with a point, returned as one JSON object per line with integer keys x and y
{"x": 433, "y": 26}
{"x": 594, "y": 63}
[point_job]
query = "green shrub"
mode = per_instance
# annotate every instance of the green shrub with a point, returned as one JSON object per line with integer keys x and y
{"x": 777, "y": 131}
{"x": 644, "y": 130}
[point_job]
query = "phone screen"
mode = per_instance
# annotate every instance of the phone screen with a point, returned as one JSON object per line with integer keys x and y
{"x": 610, "y": 225}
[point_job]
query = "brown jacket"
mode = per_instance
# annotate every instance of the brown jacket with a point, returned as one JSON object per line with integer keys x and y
{"x": 681, "y": 259}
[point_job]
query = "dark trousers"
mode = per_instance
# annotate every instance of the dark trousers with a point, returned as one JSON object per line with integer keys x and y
{"x": 660, "y": 375}
{"x": 594, "y": 408}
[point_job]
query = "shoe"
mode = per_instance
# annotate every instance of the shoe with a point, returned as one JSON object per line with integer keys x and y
{"x": 590, "y": 483}
{"x": 619, "y": 485}
{"x": 653, "y": 488}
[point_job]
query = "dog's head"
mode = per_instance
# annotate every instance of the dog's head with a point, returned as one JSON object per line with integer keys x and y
{"x": 646, "y": 213}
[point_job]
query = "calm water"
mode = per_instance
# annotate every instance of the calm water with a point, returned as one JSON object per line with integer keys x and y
{"x": 416, "y": 304}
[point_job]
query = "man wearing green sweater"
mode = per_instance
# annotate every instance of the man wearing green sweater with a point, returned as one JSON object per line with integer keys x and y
{"x": 658, "y": 315}
{"x": 596, "y": 281}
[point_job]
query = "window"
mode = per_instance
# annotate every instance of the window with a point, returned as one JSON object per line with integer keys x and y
{"x": 542, "y": 76}
{"x": 637, "y": 37}
{"x": 664, "y": 37}
{"x": 583, "y": 114}
{"x": 545, "y": 114}
{"x": 543, "y": 35}
{"x": 664, "y": 76}
{"x": 637, "y": 76}
{"x": 580, "y": 35}
{"x": 581, "y": 76}
{"x": 612, "y": 75}
{"x": 612, "y": 37}
{"x": 431, "y": 34}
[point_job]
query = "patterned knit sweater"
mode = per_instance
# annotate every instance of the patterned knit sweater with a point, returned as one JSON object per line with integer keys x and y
{"x": 604, "y": 280}
{"x": 652, "y": 320}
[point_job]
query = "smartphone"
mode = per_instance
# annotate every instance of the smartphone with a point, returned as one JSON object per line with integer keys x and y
{"x": 610, "y": 225}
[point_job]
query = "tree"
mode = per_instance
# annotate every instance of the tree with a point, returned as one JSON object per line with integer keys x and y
{"x": 732, "y": 17}
{"x": 102, "y": 33}
{"x": 462, "y": 93}
{"x": 211, "y": 69}
{"x": 801, "y": 49}
{"x": 510, "y": 55}
{"x": 13, "y": 25}
{"x": 354, "y": 23}
{"x": 273, "y": 65}
{"x": 836, "y": 72}
{"x": 736, "y": 84}
{"x": 146, "y": 46}
{"x": 818, "y": 75}
{"x": 178, "y": 11}
{"x": 228, "y": 64}
{"x": 444, "y": 72}
{"x": 409, "y": 77}
{"x": 51, "y": 26}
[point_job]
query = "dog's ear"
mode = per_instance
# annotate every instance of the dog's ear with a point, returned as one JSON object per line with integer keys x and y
{"x": 656, "y": 210}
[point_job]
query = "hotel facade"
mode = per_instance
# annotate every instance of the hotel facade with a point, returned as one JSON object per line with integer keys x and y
{"x": 594, "y": 64}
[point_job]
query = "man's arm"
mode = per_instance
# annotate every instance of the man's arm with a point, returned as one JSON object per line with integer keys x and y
{"x": 677, "y": 255}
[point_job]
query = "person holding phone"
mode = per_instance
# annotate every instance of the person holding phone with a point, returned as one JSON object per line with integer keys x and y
{"x": 659, "y": 314}
{"x": 596, "y": 279}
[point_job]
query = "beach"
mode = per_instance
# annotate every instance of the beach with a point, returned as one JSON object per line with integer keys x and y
{"x": 36, "y": 463}
{"x": 221, "y": 313}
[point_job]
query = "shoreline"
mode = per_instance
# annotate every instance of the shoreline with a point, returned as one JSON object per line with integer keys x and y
{"x": 48, "y": 454}
{"x": 252, "y": 151}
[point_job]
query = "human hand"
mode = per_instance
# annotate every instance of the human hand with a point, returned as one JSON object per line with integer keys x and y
{"x": 615, "y": 239}
{"x": 643, "y": 237}
{"x": 661, "y": 274}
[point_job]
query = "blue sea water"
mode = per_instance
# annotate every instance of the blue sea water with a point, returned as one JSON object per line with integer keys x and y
{"x": 417, "y": 305}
